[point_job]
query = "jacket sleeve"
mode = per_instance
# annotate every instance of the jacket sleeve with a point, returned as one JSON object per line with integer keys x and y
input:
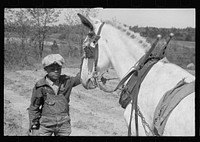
{"x": 76, "y": 80}
{"x": 34, "y": 109}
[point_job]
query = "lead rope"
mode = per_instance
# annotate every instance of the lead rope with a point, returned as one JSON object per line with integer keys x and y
{"x": 144, "y": 123}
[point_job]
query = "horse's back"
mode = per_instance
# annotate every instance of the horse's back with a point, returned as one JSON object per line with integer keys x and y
{"x": 161, "y": 78}
{"x": 173, "y": 70}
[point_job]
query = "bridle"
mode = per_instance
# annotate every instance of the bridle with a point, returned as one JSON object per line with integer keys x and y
{"x": 93, "y": 53}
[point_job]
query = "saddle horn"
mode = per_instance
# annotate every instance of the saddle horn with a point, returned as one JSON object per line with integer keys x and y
{"x": 162, "y": 52}
{"x": 146, "y": 56}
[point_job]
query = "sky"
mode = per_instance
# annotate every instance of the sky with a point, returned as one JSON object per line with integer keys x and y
{"x": 167, "y": 18}
{"x": 160, "y": 18}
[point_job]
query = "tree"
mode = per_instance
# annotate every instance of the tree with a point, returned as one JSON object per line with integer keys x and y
{"x": 23, "y": 23}
{"x": 71, "y": 17}
{"x": 41, "y": 18}
{"x": 8, "y": 21}
{"x": 17, "y": 21}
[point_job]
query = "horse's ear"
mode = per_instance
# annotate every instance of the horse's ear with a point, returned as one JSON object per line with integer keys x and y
{"x": 85, "y": 22}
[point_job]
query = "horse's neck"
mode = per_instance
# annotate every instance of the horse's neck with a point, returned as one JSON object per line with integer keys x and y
{"x": 123, "y": 63}
{"x": 124, "y": 54}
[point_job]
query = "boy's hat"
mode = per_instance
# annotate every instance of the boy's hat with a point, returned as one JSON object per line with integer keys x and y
{"x": 52, "y": 59}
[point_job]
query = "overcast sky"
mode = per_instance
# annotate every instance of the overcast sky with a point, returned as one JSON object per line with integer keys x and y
{"x": 178, "y": 18}
{"x": 161, "y": 18}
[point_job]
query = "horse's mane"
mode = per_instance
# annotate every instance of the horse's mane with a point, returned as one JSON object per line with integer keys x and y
{"x": 135, "y": 36}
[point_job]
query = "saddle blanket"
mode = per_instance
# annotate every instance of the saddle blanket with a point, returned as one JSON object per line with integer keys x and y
{"x": 168, "y": 102}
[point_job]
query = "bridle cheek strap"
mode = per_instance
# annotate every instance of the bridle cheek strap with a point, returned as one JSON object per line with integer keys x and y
{"x": 97, "y": 37}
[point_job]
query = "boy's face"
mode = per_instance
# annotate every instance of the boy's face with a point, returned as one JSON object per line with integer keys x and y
{"x": 53, "y": 71}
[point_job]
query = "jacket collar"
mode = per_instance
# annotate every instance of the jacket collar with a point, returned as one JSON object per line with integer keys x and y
{"x": 43, "y": 81}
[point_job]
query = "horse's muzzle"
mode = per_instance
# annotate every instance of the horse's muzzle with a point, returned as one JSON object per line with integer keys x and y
{"x": 90, "y": 84}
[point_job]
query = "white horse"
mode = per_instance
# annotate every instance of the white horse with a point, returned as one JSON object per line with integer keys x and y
{"x": 123, "y": 48}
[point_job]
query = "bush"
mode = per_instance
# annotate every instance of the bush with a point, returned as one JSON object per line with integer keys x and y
{"x": 16, "y": 56}
{"x": 62, "y": 36}
{"x": 179, "y": 55}
{"x": 13, "y": 55}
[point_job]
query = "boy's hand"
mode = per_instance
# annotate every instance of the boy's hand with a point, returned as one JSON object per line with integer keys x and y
{"x": 33, "y": 132}
{"x": 35, "y": 127}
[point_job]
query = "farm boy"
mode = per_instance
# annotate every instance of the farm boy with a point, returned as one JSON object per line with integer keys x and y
{"x": 49, "y": 108}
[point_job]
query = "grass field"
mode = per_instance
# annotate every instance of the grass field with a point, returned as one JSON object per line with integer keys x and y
{"x": 181, "y": 53}
{"x": 189, "y": 44}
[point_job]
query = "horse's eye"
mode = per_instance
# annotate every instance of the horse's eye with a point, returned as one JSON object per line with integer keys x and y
{"x": 90, "y": 35}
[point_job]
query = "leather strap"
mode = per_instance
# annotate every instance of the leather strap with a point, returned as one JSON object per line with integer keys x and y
{"x": 97, "y": 48}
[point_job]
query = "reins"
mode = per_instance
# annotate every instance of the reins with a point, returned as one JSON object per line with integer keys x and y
{"x": 140, "y": 75}
{"x": 137, "y": 86}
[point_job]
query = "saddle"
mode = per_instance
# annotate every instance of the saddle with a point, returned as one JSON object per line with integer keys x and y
{"x": 138, "y": 74}
{"x": 131, "y": 89}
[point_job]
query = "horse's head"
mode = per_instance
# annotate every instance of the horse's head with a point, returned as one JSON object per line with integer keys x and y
{"x": 95, "y": 60}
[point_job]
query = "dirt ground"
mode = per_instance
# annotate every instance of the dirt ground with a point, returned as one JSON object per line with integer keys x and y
{"x": 93, "y": 112}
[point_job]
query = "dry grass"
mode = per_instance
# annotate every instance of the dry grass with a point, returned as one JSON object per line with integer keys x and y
{"x": 192, "y": 72}
{"x": 181, "y": 53}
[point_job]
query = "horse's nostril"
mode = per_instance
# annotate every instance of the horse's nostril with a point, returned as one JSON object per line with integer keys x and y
{"x": 90, "y": 84}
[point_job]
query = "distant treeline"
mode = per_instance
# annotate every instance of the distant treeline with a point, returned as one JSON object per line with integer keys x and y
{"x": 186, "y": 34}
{"x": 70, "y": 39}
